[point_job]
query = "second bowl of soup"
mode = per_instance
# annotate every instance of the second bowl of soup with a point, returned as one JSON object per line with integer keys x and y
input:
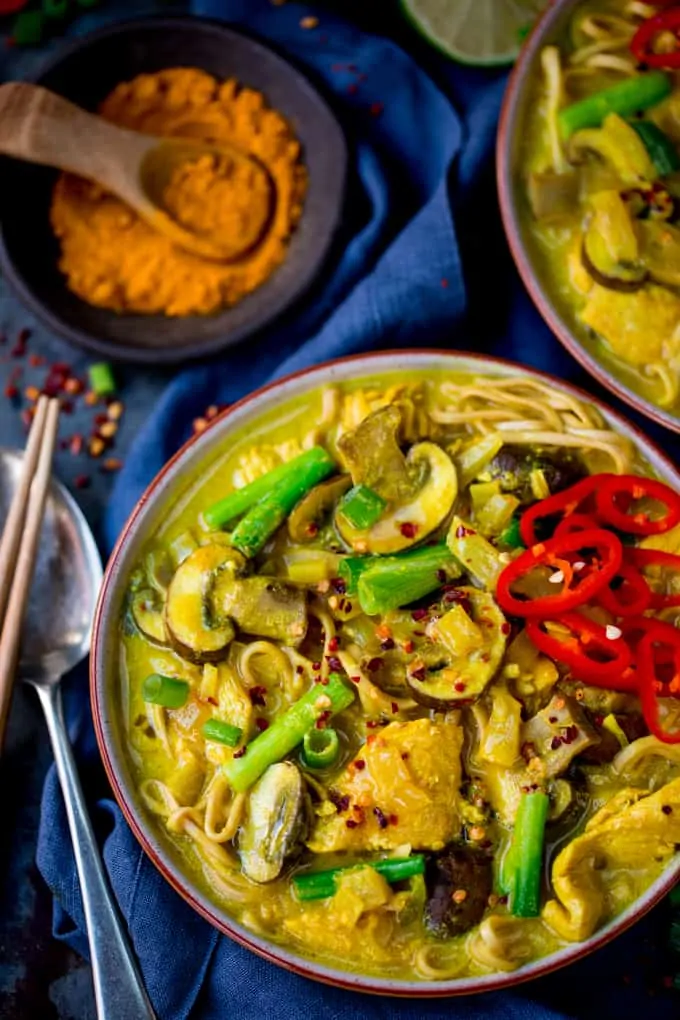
{"x": 385, "y": 673}
{"x": 589, "y": 180}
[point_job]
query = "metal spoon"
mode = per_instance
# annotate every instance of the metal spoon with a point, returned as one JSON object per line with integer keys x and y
{"x": 41, "y": 127}
{"x": 55, "y": 638}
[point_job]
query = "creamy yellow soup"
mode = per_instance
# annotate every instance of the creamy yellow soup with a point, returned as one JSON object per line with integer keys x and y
{"x": 408, "y": 719}
{"x": 601, "y": 199}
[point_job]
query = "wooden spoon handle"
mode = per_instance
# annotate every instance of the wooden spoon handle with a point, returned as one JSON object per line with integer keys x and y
{"x": 40, "y": 126}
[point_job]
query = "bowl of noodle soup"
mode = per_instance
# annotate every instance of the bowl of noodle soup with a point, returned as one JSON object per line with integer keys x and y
{"x": 176, "y": 696}
{"x": 561, "y": 192}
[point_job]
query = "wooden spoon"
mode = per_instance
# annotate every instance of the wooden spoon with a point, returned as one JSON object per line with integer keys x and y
{"x": 39, "y": 126}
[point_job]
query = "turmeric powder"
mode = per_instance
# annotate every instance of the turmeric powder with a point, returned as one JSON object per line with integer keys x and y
{"x": 114, "y": 260}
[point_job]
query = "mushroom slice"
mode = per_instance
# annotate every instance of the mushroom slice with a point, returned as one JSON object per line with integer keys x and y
{"x": 403, "y": 524}
{"x": 147, "y": 612}
{"x": 307, "y": 517}
{"x": 468, "y": 643}
{"x": 194, "y": 629}
{"x": 660, "y": 251}
{"x": 276, "y": 822}
{"x": 263, "y": 606}
{"x": 373, "y": 455}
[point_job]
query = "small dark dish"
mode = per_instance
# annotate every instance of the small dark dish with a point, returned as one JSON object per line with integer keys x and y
{"x": 85, "y": 73}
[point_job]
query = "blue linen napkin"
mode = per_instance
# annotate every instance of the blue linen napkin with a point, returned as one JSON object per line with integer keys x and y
{"x": 422, "y": 262}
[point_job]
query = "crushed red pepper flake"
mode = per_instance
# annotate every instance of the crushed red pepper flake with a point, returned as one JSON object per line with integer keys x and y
{"x": 82, "y": 481}
{"x": 257, "y": 695}
{"x": 408, "y": 529}
{"x": 444, "y": 282}
{"x": 376, "y": 109}
{"x": 261, "y": 724}
{"x": 382, "y": 820}
{"x": 112, "y": 464}
{"x": 241, "y": 751}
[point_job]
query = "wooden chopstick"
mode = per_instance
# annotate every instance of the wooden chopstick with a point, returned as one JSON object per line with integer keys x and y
{"x": 19, "y": 548}
{"x": 10, "y": 541}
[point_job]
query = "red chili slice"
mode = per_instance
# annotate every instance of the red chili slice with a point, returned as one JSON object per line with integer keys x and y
{"x": 590, "y": 654}
{"x": 575, "y": 522}
{"x": 589, "y": 582}
{"x": 655, "y": 558}
{"x": 566, "y": 503}
{"x": 616, "y": 493}
{"x": 633, "y": 595}
{"x": 642, "y": 43}
{"x": 657, "y": 657}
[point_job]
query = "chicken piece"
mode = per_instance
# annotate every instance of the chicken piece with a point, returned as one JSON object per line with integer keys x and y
{"x": 632, "y": 831}
{"x": 402, "y": 787}
{"x": 558, "y": 733}
{"x": 638, "y": 327}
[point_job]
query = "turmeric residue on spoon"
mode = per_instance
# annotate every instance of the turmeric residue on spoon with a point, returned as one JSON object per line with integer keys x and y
{"x": 114, "y": 260}
{"x": 221, "y": 198}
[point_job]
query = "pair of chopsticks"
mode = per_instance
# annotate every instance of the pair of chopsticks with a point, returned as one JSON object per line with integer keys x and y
{"x": 19, "y": 543}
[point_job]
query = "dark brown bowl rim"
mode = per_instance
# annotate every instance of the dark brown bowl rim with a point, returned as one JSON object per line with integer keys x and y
{"x": 191, "y": 350}
{"x": 513, "y": 229}
{"x": 375, "y": 361}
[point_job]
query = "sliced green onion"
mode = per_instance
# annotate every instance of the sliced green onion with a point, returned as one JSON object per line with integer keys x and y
{"x": 167, "y": 691}
{"x": 511, "y": 536}
{"x": 226, "y": 510}
{"x": 624, "y": 98}
{"x": 101, "y": 379}
{"x": 393, "y": 581}
{"x": 660, "y": 148}
{"x": 288, "y": 731}
{"x": 351, "y": 568}
{"x": 221, "y": 732}
{"x": 361, "y": 507}
{"x": 526, "y": 863}
{"x": 320, "y": 748}
{"x": 268, "y": 514}
{"x": 318, "y": 885}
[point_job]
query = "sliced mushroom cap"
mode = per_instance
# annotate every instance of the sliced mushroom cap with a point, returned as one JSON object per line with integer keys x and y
{"x": 147, "y": 612}
{"x": 466, "y": 649}
{"x": 610, "y": 251}
{"x": 310, "y": 513}
{"x": 660, "y": 251}
{"x": 457, "y": 868}
{"x": 403, "y": 524}
{"x": 263, "y": 606}
{"x": 373, "y": 456}
{"x": 194, "y": 629}
{"x": 276, "y": 822}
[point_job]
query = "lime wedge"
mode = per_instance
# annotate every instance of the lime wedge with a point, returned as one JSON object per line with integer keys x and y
{"x": 484, "y": 32}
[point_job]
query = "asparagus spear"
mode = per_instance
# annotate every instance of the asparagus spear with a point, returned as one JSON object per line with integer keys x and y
{"x": 220, "y": 514}
{"x": 317, "y": 885}
{"x": 287, "y": 731}
{"x": 267, "y": 515}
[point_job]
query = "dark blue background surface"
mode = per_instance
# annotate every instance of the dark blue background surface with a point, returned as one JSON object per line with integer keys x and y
{"x": 421, "y": 261}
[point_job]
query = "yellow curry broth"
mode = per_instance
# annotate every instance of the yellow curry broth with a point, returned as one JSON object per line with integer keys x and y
{"x": 634, "y": 334}
{"x": 410, "y": 778}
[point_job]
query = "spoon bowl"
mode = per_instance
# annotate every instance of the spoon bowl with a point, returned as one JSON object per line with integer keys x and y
{"x": 66, "y": 581}
{"x": 39, "y": 126}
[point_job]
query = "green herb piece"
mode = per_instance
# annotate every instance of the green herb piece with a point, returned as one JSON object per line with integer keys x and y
{"x": 167, "y": 691}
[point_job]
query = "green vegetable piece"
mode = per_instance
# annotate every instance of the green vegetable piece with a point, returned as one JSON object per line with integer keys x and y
{"x": 471, "y": 461}
{"x": 320, "y": 748}
{"x": 511, "y": 536}
{"x": 351, "y": 568}
{"x": 101, "y": 379}
{"x": 226, "y": 510}
{"x": 221, "y": 732}
{"x": 477, "y": 557}
{"x": 394, "y": 581}
{"x": 288, "y": 731}
{"x": 624, "y": 98}
{"x": 318, "y": 885}
{"x": 55, "y": 9}
{"x": 662, "y": 152}
{"x": 362, "y": 507}
{"x": 27, "y": 29}
{"x": 267, "y": 516}
{"x": 167, "y": 691}
{"x": 526, "y": 864}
